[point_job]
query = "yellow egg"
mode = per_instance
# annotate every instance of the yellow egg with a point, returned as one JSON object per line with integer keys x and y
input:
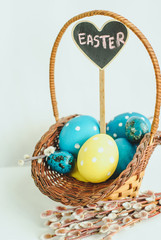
{"x": 76, "y": 174}
{"x": 98, "y": 158}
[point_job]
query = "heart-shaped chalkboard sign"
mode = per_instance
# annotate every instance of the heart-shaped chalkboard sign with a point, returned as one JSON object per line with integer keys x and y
{"x": 100, "y": 46}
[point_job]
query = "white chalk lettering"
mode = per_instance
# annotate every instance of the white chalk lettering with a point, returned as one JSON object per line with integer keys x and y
{"x": 97, "y": 41}
{"x": 111, "y": 43}
{"x": 81, "y": 37}
{"x": 120, "y": 39}
{"x": 89, "y": 40}
{"x": 104, "y": 40}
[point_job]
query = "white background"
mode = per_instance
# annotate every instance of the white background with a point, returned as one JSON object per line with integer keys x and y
{"x": 28, "y": 30}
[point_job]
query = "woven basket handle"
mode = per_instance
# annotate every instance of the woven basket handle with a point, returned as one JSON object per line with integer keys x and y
{"x": 138, "y": 33}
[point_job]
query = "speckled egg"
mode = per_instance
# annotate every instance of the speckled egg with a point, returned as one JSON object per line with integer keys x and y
{"x": 76, "y": 174}
{"x": 135, "y": 129}
{"x": 116, "y": 127}
{"x": 98, "y": 158}
{"x": 126, "y": 153}
{"x": 61, "y": 162}
{"x": 76, "y": 132}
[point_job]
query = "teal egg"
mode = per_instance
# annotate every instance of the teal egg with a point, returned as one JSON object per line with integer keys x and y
{"x": 76, "y": 132}
{"x": 135, "y": 129}
{"x": 116, "y": 127}
{"x": 126, "y": 153}
{"x": 61, "y": 162}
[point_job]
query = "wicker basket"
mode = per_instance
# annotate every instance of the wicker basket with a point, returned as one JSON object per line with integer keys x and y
{"x": 69, "y": 191}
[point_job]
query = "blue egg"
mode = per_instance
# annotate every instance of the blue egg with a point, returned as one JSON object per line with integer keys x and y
{"x": 116, "y": 127}
{"x": 61, "y": 162}
{"x": 135, "y": 129}
{"x": 76, "y": 132}
{"x": 126, "y": 153}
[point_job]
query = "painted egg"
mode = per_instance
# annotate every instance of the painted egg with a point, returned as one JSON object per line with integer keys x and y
{"x": 76, "y": 132}
{"x": 98, "y": 158}
{"x": 135, "y": 129}
{"x": 61, "y": 162}
{"x": 126, "y": 153}
{"x": 116, "y": 127}
{"x": 76, "y": 174}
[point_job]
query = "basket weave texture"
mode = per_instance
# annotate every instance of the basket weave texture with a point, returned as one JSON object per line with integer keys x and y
{"x": 69, "y": 191}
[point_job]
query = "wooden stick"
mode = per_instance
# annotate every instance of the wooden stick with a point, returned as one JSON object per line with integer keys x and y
{"x": 102, "y": 101}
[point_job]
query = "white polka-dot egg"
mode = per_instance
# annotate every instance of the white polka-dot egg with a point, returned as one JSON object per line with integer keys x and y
{"x": 76, "y": 132}
{"x": 98, "y": 158}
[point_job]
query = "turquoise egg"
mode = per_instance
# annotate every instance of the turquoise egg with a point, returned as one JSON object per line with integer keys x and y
{"x": 135, "y": 129}
{"x": 126, "y": 153}
{"x": 76, "y": 132}
{"x": 61, "y": 162}
{"x": 116, "y": 127}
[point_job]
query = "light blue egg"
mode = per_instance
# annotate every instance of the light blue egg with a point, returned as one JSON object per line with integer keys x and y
{"x": 116, "y": 127}
{"x": 126, "y": 153}
{"x": 135, "y": 129}
{"x": 76, "y": 132}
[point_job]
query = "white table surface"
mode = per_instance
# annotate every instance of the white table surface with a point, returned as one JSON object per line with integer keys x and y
{"x": 21, "y": 204}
